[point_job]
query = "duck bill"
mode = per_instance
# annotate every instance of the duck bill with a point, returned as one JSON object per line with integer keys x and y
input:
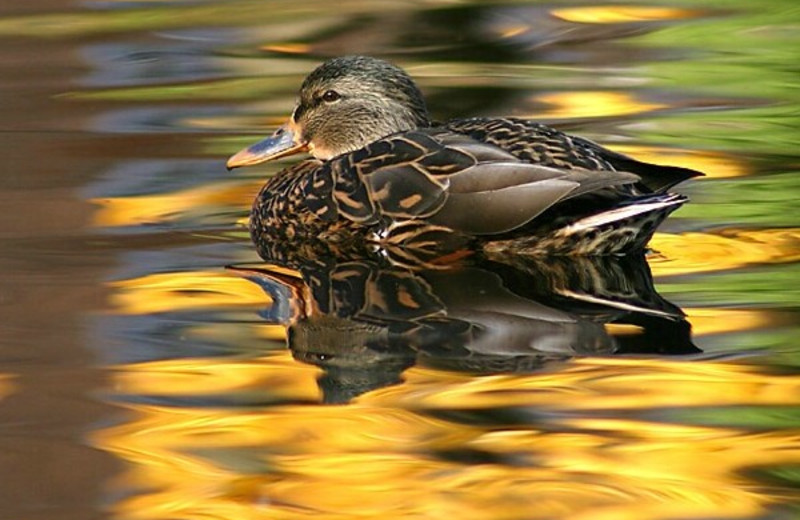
{"x": 280, "y": 144}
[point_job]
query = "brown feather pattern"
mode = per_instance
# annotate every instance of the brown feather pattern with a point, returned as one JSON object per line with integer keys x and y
{"x": 501, "y": 184}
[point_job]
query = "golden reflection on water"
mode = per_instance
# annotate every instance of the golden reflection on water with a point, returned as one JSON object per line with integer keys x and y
{"x": 564, "y": 449}
{"x": 289, "y": 48}
{"x": 164, "y": 207}
{"x": 607, "y": 14}
{"x": 719, "y": 321}
{"x": 726, "y": 249}
{"x": 622, "y": 13}
{"x": 277, "y": 375}
{"x": 602, "y": 383}
{"x": 569, "y": 105}
{"x": 183, "y": 291}
{"x": 596, "y": 438}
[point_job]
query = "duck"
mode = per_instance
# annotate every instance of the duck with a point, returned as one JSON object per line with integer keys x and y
{"x": 381, "y": 172}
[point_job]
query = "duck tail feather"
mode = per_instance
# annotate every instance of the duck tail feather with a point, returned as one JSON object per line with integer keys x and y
{"x": 656, "y": 177}
{"x": 658, "y": 204}
{"x": 625, "y": 228}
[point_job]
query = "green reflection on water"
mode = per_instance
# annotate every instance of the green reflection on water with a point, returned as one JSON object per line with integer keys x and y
{"x": 768, "y": 201}
{"x": 241, "y": 13}
{"x": 762, "y": 286}
{"x": 755, "y": 417}
{"x": 752, "y": 131}
{"x": 759, "y": 70}
{"x": 243, "y": 88}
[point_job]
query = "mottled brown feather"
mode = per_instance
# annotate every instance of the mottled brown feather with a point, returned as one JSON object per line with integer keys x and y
{"x": 465, "y": 183}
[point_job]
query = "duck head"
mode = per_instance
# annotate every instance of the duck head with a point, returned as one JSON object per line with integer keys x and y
{"x": 343, "y": 105}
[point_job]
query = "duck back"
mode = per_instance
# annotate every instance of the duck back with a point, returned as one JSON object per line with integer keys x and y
{"x": 537, "y": 143}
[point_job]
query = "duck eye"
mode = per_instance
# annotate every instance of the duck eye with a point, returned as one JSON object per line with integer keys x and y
{"x": 330, "y": 96}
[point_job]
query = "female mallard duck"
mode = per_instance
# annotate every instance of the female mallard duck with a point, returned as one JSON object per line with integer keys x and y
{"x": 382, "y": 172}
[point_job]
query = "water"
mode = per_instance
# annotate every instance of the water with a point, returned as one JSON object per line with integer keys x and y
{"x": 140, "y": 379}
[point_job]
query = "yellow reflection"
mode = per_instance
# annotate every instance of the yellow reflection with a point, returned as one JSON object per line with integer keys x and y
{"x": 510, "y": 31}
{"x": 182, "y": 291}
{"x": 587, "y": 442}
{"x": 623, "y": 329}
{"x": 569, "y": 105}
{"x": 272, "y": 332}
{"x": 278, "y": 374}
{"x": 719, "y": 321}
{"x": 622, "y": 13}
{"x": 288, "y": 48}
{"x": 606, "y": 383}
{"x": 728, "y": 249}
{"x": 149, "y": 209}
{"x": 714, "y": 165}
{"x": 7, "y": 386}
{"x": 654, "y": 470}
{"x": 242, "y": 221}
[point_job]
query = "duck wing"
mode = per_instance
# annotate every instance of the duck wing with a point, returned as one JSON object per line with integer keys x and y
{"x": 452, "y": 180}
{"x": 540, "y": 144}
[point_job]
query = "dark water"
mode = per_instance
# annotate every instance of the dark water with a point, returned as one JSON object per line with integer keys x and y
{"x": 140, "y": 379}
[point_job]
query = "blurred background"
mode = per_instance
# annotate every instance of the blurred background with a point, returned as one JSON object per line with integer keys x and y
{"x": 139, "y": 379}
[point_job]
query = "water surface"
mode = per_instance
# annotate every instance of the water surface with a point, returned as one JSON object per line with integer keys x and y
{"x": 140, "y": 379}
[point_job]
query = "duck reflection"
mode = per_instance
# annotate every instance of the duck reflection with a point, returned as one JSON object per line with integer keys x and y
{"x": 365, "y": 318}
